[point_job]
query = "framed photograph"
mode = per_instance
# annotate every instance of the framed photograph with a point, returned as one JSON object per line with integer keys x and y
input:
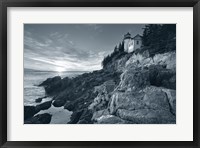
{"x": 99, "y": 73}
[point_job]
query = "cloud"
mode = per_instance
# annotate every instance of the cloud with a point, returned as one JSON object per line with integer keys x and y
{"x": 55, "y": 35}
{"x": 70, "y": 64}
{"x": 96, "y": 27}
{"x": 92, "y": 27}
{"x": 27, "y": 33}
{"x": 56, "y": 50}
{"x": 71, "y": 46}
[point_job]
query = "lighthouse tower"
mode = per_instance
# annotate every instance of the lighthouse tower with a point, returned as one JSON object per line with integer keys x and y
{"x": 127, "y": 39}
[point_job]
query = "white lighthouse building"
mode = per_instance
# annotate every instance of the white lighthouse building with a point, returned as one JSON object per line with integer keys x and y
{"x": 127, "y": 41}
{"x": 131, "y": 44}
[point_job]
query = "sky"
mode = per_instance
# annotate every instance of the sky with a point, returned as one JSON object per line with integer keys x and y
{"x": 72, "y": 47}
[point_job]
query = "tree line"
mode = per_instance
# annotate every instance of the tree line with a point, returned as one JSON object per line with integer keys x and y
{"x": 117, "y": 53}
{"x": 156, "y": 38}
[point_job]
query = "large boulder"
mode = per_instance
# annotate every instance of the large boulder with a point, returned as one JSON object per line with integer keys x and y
{"x": 160, "y": 69}
{"x": 75, "y": 117}
{"x": 171, "y": 95}
{"x": 143, "y": 60}
{"x": 128, "y": 100}
{"x": 111, "y": 119}
{"x": 66, "y": 83}
{"x": 86, "y": 117}
{"x": 160, "y": 76}
{"x": 38, "y": 100}
{"x": 156, "y": 99}
{"x": 69, "y": 105}
{"x": 59, "y": 102}
{"x": 102, "y": 99}
{"x": 43, "y": 106}
{"x": 137, "y": 60}
{"x": 52, "y": 85}
{"x": 168, "y": 59}
{"x": 39, "y": 119}
{"x": 50, "y": 81}
{"x": 134, "y": 79}
{"x": 100, "y": 102}
{"x": 151, "y": 105}
{"x": 106, "y": 87}
{"x": 99, "y": 114}
{"x": 29, "y": 111}
{"x": 120, "y": 63}
{"x": 147, "y": 116}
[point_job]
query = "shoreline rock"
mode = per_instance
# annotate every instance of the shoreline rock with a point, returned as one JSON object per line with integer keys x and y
{"x": 30, "y": 111}
{"x": 43, "y": 106}
{"x": 39, "y": 119}
{"x": 40, "y": 99}
{"x": 133, "y": 89}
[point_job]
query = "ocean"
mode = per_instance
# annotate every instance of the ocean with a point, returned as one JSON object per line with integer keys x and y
{"x": 32, "y": 79}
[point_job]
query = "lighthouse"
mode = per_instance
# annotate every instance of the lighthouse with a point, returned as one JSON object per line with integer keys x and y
{"x": 131, "y": 44}
{"x": 127, "y": 39}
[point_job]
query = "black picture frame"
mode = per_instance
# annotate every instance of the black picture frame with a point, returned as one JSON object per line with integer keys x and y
{"x": 99, "y": 3}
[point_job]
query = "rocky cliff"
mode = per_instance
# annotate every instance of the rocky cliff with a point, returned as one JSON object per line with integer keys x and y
{"x": 146, "y": 93}
{"x": 132, "y": 89}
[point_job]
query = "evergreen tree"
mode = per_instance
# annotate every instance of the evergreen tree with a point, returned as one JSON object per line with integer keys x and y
{"x": 121, "y": 47}
{"x": 116, "y": 49}
{"x": 159, "y": 38}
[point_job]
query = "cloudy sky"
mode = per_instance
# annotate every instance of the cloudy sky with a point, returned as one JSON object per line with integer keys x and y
{"x": 72, "y": 47}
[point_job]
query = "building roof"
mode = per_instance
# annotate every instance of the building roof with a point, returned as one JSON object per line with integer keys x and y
{"x": 137, "y": 37}
{"x": 127, "y": 36}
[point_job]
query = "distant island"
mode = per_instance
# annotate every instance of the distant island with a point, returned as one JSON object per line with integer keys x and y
{"x": 136, "y": 85}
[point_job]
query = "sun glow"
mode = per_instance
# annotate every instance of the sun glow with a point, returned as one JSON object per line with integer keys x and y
{"x": 60, "y": 69}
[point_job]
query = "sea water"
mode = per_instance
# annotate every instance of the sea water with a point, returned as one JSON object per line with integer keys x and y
{"x": 32, "y": 92}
